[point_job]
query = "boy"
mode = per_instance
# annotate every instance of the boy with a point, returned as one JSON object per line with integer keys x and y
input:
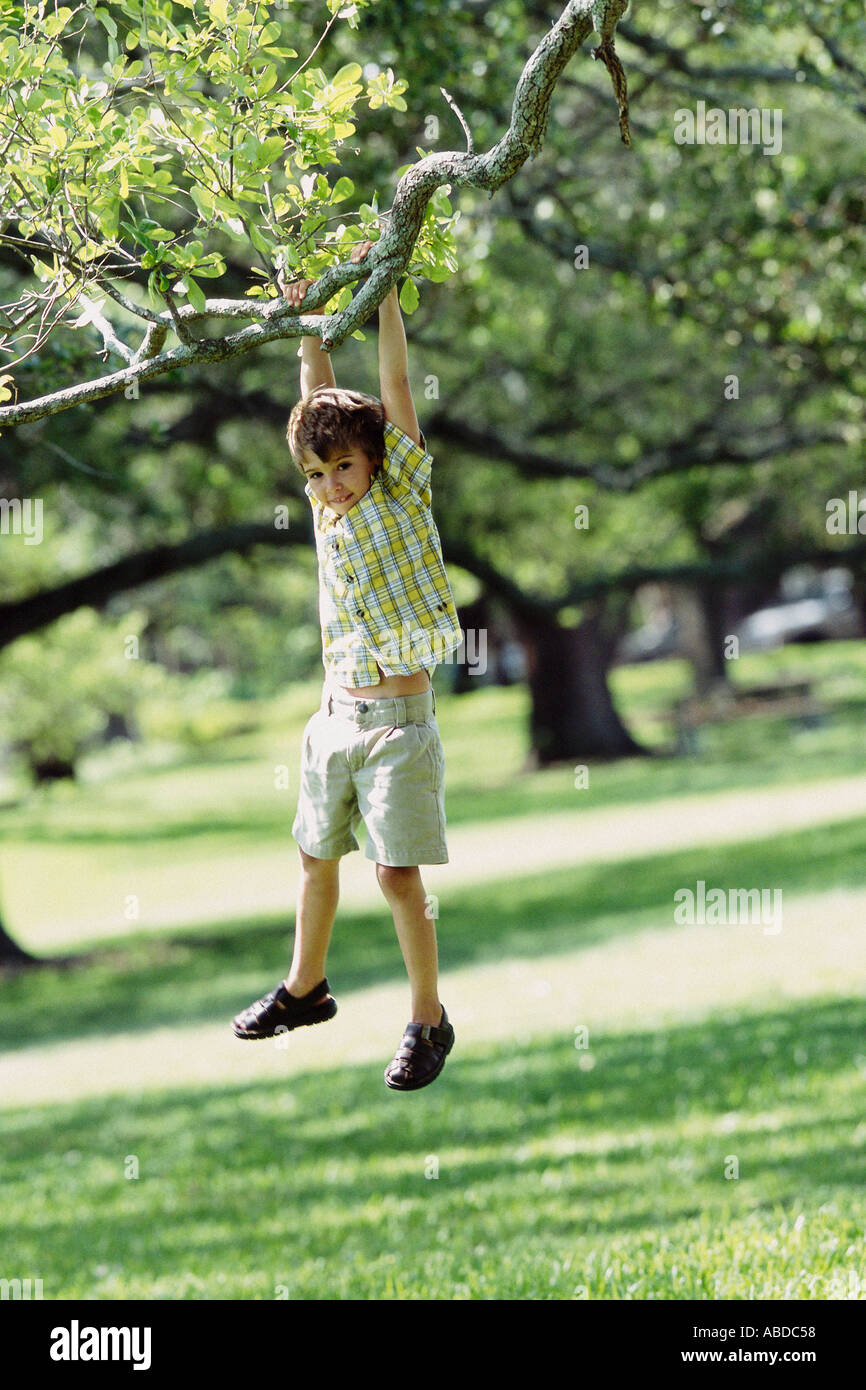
{"x": 373, "y": 749}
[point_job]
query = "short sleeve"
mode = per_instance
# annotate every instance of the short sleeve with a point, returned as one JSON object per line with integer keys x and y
{"x": 405, "y": 463}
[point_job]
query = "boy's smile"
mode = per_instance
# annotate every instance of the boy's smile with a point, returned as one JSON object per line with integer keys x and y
{"x": 341, "y": 481}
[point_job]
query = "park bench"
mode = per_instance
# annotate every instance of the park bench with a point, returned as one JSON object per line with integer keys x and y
{"x": 793, "y": 700}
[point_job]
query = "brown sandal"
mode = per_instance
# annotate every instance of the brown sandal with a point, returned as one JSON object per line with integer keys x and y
{"x": 280, "y": 1012}
{"x": 420, "y": 1056}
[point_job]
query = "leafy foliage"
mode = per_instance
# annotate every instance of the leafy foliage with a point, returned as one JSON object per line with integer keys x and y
{"x": 167, "y": 137}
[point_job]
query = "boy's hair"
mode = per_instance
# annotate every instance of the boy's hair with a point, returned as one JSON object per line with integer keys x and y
{"x": 330, "y": 418}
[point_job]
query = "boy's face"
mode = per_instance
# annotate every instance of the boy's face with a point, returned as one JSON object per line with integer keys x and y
{"x": 341, "y": 481}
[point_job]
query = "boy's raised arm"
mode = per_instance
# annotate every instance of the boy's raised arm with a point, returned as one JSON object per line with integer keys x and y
{"x": 316, "y": 369}
{"x": 394, "y": 388}
{"x": 394, "y": 385}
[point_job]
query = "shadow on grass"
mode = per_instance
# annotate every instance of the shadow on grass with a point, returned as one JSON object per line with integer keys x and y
{"x": 211, "y": 973}
{"x": 525, "y": 1139}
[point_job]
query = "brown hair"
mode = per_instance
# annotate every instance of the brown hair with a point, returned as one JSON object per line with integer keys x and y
{"x": 330, "y": 418}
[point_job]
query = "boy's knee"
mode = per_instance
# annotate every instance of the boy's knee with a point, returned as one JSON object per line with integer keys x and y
{"x": 398, "y": 879}
{"x": 317, "y": 868}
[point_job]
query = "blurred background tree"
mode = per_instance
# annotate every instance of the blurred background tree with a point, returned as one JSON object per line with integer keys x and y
{"x": 582, "y": 356}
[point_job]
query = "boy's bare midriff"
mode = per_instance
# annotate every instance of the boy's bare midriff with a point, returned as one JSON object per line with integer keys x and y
{"x": 390, "y": 686}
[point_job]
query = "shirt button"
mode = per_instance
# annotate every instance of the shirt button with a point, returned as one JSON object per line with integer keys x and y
{"x": 362, "y": 708}
{"x": 351, "y": 578}
{"x": 359, "y": 612}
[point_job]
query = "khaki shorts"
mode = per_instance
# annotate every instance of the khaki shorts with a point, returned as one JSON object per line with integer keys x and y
{"x": 376, "y": 760}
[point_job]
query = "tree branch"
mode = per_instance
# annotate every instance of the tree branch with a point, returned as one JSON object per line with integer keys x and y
{"x": 700, "y": 447}
{"x": 22, "y": 616}
{"x": 677, "y": 60}
{"x": 390, "y": 256}
{"x": 110, "y": 340}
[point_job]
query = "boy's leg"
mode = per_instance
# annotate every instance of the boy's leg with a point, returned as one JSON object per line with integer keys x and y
{"x": 318, "y": 893}
{"x": 416, "y": 932}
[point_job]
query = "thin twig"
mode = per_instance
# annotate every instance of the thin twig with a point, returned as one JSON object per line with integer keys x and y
{"x": 470, "y": 143}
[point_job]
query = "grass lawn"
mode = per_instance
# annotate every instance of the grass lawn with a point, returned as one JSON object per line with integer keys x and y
{"x": 676, "y": 1156}
{"x": 520, "y": 1174}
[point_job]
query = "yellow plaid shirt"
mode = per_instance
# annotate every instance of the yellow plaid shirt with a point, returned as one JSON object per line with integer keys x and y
{"x": 384, "y": 596}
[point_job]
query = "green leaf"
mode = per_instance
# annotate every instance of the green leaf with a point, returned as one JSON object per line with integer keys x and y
{"x": 56, "y": 136}
{"x": 203, "y": 199}
{"x": 53, "y": 24}
{"x": 109, "y": 217}
{"x": 211, "y": 266}
{"x": 106, "y": 21}
{"x": 267, "y": 80}
{"x": 258, "y": 240}
{"x": 223, "y": 204}
{"x": 343, "y": 188}
{"x": 347, "y": 75}
{"x": 195, "y": 294}
{"x": 409, "y": 298}
{"x": 268, "y": 151}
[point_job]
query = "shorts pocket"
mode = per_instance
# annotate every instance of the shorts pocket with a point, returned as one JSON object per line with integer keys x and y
{"x": 429, "y": 739}
{"x": 307, "y": 736}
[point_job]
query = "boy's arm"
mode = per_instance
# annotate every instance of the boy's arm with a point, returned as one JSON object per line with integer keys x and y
{"x": 316, "y": 369}
{"x": 394, "y": 385}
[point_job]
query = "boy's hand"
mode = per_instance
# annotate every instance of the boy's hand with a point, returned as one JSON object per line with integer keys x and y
{"x": 360, "y": 251}
{"x": 294, "y": 292}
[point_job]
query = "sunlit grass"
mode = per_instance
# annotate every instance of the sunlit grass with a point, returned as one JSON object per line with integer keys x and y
{"x": 697, "y": 1162}
{"x": 148, "y": 980}
{"x": 692, "y": 1157}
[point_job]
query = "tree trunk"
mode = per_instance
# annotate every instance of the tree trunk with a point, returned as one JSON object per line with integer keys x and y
{"x": 573, "y": 715}
{"x": 700, "y": 635}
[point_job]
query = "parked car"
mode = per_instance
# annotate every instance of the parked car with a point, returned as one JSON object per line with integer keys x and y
{"x": 825, "y": 618}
